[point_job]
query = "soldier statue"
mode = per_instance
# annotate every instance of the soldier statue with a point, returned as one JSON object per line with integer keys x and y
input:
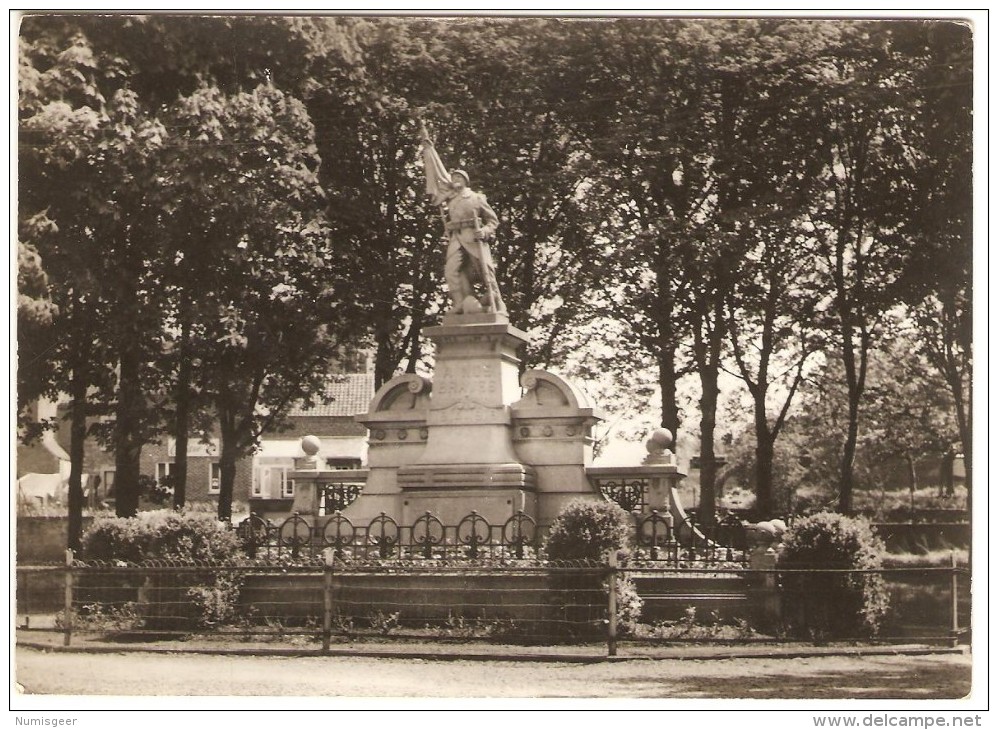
{"x": 469, "y": 224}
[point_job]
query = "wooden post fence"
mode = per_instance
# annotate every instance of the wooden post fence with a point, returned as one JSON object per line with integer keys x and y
{"x": 68, "y": 613}
{"x": 611, "y": 634}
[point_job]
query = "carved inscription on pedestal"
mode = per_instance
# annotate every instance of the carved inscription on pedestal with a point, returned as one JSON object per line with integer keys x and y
{"x": 454, "y": 383}
{"x": 467, "y": 411}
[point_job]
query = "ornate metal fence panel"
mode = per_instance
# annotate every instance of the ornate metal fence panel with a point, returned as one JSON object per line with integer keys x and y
{"x": 427, "y": 534}
{"x": 655, "y": 538}
{"x": 630, "y": 494}
{"x": 428, "y": 538}
{"x": 520, "y": 533}
{"x": 337, "y": 496}
{"x": 475, "y": 532}
{"x": 339, "y": 534}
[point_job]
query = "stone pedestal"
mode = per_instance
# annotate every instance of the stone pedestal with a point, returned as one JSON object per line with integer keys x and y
{"x": 469, "y": 447}
{"x": 478, "y": 436}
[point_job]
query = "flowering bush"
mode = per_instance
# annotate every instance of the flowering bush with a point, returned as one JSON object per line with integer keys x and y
{"x": 629, "y": 605}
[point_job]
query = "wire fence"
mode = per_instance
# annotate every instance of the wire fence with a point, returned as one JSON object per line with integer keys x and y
{"x": 528, "y": 601}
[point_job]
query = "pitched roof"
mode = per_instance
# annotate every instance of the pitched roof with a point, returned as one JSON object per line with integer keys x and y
{"x": 347, "y": 395}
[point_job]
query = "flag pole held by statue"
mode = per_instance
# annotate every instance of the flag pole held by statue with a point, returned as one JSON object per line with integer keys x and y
{"x": 438, "y": 181}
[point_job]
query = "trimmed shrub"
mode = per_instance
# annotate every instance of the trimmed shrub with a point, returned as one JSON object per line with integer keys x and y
{"x": 166, "y": 599}
{"x": 833, "y": 605}
{"x": 189, "y": 537}
{"x": 588, "y": 531}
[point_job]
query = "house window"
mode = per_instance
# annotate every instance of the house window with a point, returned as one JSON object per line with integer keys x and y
{"x": 336, "y": 463}
{"x": 261, "y": 480}
{"x": 270, "y": 478}
{"x": 214, "y": 477}
{"x": 163, "y": 470}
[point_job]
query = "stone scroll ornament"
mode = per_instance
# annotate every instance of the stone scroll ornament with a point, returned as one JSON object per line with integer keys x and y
{"x": 469, "y": 225}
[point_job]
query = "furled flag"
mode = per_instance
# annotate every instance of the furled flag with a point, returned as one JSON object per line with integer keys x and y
{"x": 437, "y": 177}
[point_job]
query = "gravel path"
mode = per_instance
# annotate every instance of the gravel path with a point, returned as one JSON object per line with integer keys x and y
{"x": 126, "y": 674}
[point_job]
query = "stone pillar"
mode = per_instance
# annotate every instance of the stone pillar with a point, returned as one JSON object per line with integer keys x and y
{"x": 764, "y": 589}
{"x": 666, "y": 473}
{"x": 306, "y": 475}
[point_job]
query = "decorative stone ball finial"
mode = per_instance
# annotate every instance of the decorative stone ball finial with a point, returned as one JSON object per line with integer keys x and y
{"x": 659, "y": 440}
{"x": 310, "y": 445}
{"x": 658, "y": 444}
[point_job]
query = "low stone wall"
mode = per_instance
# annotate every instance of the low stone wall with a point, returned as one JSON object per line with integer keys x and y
{"x": 40, "y": 592}
{"x": 545, "y": 598}
{"x": 43, "y": 539}
{"x": 429, "y": 598}
{"x": 728, "y": 597}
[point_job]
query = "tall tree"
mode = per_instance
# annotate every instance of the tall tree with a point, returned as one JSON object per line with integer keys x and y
{"x": 774, "y": 293}
{"x": 940, "y": 272}
{"x": 367, "y": 132}
{"x": 62, "y": 118}
{"x": 125, "y": 187}
{"x": 862, "y": 221}
{"x": 268, "y": 317}
{"x": 773, "y": 337}
{"x": 641, "y": 117}
{"x": 908, "y": 412}
{"x": 168, "y": 57}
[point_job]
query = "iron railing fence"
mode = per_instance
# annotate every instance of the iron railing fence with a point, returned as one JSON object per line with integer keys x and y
{"x": 656, "y": 539}
{"x": 383, "y": 538}
{"x": 518, "y": 602}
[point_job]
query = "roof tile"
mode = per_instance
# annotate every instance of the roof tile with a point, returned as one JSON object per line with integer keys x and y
{"x": 348, "y": 395}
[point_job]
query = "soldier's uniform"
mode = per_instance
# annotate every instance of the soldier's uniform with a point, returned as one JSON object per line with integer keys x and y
{"x": 470, "y": 224}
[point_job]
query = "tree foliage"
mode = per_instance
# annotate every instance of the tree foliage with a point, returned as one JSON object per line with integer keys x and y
{"x": 265, "y": 324}
{"x": 209, "y": 205}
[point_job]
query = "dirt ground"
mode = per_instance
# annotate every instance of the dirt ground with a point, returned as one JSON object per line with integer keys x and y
{"x": 824, "y": 677}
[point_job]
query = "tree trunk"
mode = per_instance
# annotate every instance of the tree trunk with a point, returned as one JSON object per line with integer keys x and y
{"x": 384, "y": 359}
{"x": 708, "y": 463}
{"x": 967, "y": 441}
{"x": 764, "y": 502}
{"x": 415, "y": 346}
{"x": 182, "y": 422}
{"x": 127, "y": 433}
{"x": 946, "y": 474}
{"x": 849, "y": 457}
{"x": 964, "y": 424}
{"x": 912, "y": 481}
{"x": 227, "y": 464}
{"x": 77, "y": 444}
{"x": 667, "y": 384}
{"x": 666, "y": 337}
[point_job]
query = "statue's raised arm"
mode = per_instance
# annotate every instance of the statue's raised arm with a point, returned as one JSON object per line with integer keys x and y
{"x": 469, "y": 224}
